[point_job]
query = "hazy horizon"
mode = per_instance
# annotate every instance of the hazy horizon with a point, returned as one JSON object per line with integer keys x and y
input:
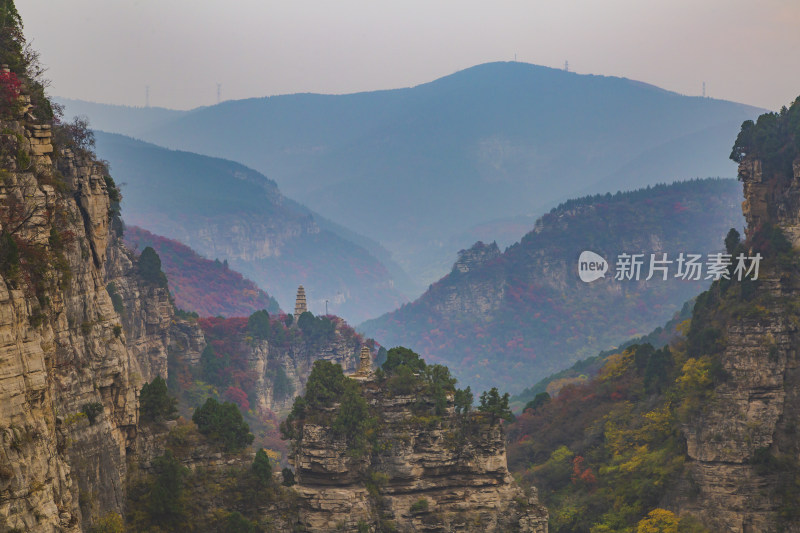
{"x": 110, "y": 52}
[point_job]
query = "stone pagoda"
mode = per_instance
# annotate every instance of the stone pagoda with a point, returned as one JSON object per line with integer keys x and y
{"x": 300, "y": 306}
{"x": 364, "y": 371}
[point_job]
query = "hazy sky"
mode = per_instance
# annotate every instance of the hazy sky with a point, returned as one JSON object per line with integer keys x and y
{"x": 109, "y": 50}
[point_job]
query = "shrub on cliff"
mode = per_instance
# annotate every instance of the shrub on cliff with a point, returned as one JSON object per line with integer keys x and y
{"x": 160, "y": 500}
{"x": 155, "y": 403}
{"x": 223, "y": 422}
{"x": 774, "y": 139}
{"x": 9, "y": 257}
{"x": 315, "y": 330}
{"x": 258, "y": 324}
{"x": 495, "y": 406}
{"x": 150, "y": 268}
{"x": 326, "y": 384}
{"x": 262, "y": 469}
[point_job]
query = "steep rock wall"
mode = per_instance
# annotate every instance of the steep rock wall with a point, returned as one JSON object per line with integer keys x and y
{"x": 753, "y": 415}
{"x": 71, "y": 365}
{"x": 462, "y": 478}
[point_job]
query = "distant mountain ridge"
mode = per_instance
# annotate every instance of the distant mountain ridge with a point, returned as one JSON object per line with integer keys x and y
{"x": 413, "y": 168}
{"x": 227, "y": 211}
{"x": 510, "y": 319}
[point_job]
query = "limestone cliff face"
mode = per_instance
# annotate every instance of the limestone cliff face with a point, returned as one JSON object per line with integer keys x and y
{"x": 280, "y": 367}
{"x": 71, "y": 365}
{"x": 753, "y": 415}
{"x": 146, "y": 313}
{"x": 438, "y": 474}
{"x": 295, "y": 362}
{"x": 773, "y": 198}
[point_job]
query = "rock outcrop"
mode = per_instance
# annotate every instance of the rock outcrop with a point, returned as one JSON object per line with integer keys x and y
{"x": 71, "y": 364}
{"x": 424, "y": 473}
{"x": 742, "y": 446}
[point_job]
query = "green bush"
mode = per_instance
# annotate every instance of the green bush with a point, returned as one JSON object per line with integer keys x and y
{"x": 155, "y": 403}
{"x": 281, "y": 385}
{"x": 164, "y": 502}
{"x": 403, "y": 357}
{"x": 92, "y": 410}
{"x": 353, "y": 419}
{"x": 150, "y": 268}
{"x": 116, "y": 298}
{"x": 109, "y": 523}
{"x": 258, "y": 324}
{"x": 9, "y": 256}
{"x": 288, "y": 477}
{"x": 234, "y": 522}
{"x": 325, "y": 385}
{"x": 495, "y": 405}
{"x": 223, "y": 422}
{"x": 419, "y": 506}
{"x": 262, "y": 469}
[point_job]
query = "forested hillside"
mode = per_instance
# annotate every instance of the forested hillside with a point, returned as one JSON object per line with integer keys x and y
{"x": 512, "y": 318}
{"x": 414, "y": 168}
{"x": 200, "y": 285}
{"x": 226, "y": 211}
{"x": 699, "y": 435}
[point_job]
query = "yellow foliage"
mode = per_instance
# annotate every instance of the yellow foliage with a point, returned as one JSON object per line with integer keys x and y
{"x": 658, "y": 521}
{"x": 109, "y": 523}
{"x": 561, "y": 454}
{"x": 695, "y": 374}
{"x": 683, "y": 327}
{"x": 616, "y": 365}
{"x": 273, "y": 455}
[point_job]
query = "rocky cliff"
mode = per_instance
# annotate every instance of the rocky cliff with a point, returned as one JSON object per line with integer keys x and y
{"x": 271, "y": 362}
{"x": 72, "y": 364}
{"x": 743, "y": 446}
{"x": 527, "y": 307}
{"x": 421, "y": 472}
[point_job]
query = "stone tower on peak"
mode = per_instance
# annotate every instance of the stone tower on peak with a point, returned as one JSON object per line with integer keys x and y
{"x": 300, "y": 306}
{"x": 365, "y": 366}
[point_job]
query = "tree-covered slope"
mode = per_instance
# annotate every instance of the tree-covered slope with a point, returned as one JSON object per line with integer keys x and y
{"x": 423, "y": 164}
{"x": 511, "y": 319}
{"x": 227, "y": 211}
{"x": 206, "y": 287}
{"x": 700, "y": 435}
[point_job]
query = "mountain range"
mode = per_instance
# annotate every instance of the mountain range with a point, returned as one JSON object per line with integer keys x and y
{"x": 509, "y": 319}
{"x": 416, "y": 168}
{"x": 226, "y": 211}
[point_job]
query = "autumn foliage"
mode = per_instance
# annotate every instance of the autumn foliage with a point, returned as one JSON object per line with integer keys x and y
{"x": 206, "y": 287}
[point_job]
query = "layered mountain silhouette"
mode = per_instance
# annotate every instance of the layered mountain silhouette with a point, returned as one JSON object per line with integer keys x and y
{"x": 510, "y": 319}
{"x": 415, "y": 168}
{"x": 226, "y": 211}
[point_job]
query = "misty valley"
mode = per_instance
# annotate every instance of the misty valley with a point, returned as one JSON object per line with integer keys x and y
{"x": 458, "y": 306}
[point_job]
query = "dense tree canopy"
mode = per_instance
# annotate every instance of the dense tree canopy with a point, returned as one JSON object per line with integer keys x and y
{"x": 223, "y": 422}
{"x": 150, "y": 268}
{"x": 155, "y": 403}
{"x": 774, "y": 139}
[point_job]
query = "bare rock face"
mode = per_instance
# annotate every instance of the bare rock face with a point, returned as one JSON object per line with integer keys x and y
{"x": 294, "y": 360}
{"x": 476, "y": 256}
{"x": 427, "y": 474}
{"x": 70, "y": 364}
{"x": 773, "y": 198}
{"x": 752, "y": 418}
{"x": 145, "y": 310}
